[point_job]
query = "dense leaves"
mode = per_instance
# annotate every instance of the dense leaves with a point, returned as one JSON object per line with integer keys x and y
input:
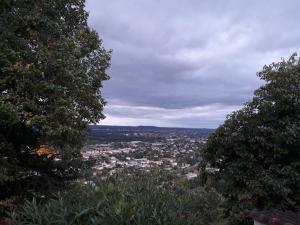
{"x": 51, "y": 70}
{"x": 139, "y": 199}
{"x": 255, "y": 154}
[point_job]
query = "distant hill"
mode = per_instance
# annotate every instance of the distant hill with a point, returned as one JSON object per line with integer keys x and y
{"x": 104, "y": 133}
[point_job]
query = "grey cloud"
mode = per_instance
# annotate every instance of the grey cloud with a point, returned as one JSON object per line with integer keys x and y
{"x": 185, "y": 54}
{"x": 206, "y": 116}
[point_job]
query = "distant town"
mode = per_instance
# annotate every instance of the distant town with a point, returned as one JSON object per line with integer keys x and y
{"x": 117, "y": 149}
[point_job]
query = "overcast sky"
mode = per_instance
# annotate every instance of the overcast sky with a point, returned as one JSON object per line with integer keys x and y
{"x": 189, "y": 63}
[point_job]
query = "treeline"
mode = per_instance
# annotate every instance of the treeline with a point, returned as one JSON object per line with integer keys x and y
{"x": 107, "y": 134}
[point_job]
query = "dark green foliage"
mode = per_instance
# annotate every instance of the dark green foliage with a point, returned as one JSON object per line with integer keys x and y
{"x": 51, "y": 68}
{"x": 257, "y": 149}
{"x": 138, "y": 199}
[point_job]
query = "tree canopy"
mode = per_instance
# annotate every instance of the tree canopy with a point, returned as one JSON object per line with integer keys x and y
{"x": 255, "y": 154}
{"x": 52, "y": 65}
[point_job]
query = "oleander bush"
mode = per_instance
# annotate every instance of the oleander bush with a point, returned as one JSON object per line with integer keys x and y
{"x": 139, "y": 199}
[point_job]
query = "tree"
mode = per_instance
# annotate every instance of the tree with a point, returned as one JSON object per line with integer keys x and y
{"x": 51, "y": 70}
{"x": 255, "y": 154}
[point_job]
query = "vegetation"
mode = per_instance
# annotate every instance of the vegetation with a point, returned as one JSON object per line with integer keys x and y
{"x": 51, "y": 70}
{"x": 139, "y": 199}
{"x": 255, "y": 153}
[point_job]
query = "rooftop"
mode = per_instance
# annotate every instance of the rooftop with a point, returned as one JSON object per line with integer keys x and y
{"x": 274, "y": 217}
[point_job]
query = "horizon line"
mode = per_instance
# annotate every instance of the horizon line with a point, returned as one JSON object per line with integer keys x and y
{"x": 106, "y": 125}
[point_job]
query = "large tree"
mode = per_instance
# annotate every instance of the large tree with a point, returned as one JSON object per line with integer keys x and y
{"x": 51, "y": 70}
{"x": 254, "y": 157}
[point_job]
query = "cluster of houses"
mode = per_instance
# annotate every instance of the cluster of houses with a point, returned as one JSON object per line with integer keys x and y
{"x": 172, "y": 154}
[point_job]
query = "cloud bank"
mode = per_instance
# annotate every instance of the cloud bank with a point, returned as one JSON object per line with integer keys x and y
{"x": 189, "y": 63}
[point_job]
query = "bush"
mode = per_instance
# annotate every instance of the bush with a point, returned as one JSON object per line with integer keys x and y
{"x": 138, "y": 199}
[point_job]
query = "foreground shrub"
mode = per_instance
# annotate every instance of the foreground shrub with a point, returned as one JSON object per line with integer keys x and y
{"x": 137, "y": 199}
